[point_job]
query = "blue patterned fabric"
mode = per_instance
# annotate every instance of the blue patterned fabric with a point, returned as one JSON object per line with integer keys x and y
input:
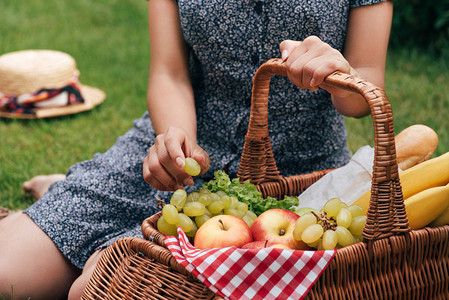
{"x": 106, "y": 198}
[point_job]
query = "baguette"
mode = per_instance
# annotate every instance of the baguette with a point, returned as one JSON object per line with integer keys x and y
{"x": 414, "y": 145}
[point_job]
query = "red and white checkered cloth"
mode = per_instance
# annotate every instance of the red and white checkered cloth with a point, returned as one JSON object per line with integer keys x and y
{"x": 267, "y": 273}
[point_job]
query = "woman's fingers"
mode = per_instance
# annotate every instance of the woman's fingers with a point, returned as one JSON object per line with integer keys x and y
{"x": 158, "y": 185}
{"x": 155, "y": 173}
{"x": 174, "y": 141}
{"x": 175, "y": 138}
{"x": 202, "y": 158}
{"x": 310, "y": 61}
{"x": 164, "y": 165}
{"x": 287, "y": 48}
{"x": 324, "y": 69}
{"x": 172, "y": 156}
{"x": 301, "y": 66}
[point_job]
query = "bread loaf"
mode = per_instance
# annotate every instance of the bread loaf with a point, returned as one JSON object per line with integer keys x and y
{"x": 414, "y": 145}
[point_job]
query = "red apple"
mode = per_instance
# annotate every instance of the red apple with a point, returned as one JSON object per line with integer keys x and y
{"x": 276, "y": 226}
{"x": 264, "y": 244}
{"x": 257, "y": 245}
{"x": 223, "y": 231}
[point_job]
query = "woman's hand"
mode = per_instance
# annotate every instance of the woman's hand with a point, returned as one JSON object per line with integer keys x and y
{"x": 310, "y": 61}
{"x": 163, "y": 166}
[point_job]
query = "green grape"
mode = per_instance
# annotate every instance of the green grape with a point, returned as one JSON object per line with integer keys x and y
{"x": 214, "y": 197}
{"x": 305, "y": 210}
{"x": 358, "y": 238}
{"x": 231, "y": 211}
{"x": 345, "y": 238}
{"x": 205, "y": 198}
{"x": 251, "y": 214}
{"x": 204, "y": 191}
{"x": 355, "y": 210}
{"x": 193, "y": 196}
{"x": 235, "y": 202}
{"x": 200, "y": 220}
{"x": 357, "y": 225}
{"x": 193, "y": 209}
{"x": 240, "y": 213}
{"x": 312, "y": 233}
{"x": 227, "y": 201}
{"x": 315, "y": 244}
{"x": 207, "y": 212}
{"x": 178, "y": 199}
{"x": 166, "y": 228}
{"x": 242, "y": 207}
{"x": 184, "y": 222}
{"x": 216, "y": 207}
{"x": 192, "y": 167}
{"x": 330, "y": 239}
{"x": 332, "y": 207}
{"x": 248, "y": 220}
{"x": 221, "y": 193}
{"x": 192, "y": 232}
{"x": 302, "y": 223}
{"x": 344, "y": 218}
{"x": 170, "y": 214}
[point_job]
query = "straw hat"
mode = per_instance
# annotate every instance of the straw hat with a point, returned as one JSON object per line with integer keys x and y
{"x": 29, "y": 71}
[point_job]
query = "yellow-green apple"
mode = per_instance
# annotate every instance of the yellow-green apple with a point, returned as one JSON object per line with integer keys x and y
{"x": 276, "y": 226}
{"x": 280, "y": 246}
{"x": 223, "y": 231}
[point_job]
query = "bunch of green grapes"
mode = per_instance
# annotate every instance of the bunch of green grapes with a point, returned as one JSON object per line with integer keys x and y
{"x": 191, "y": 211}
{"x": 336, "y": 225}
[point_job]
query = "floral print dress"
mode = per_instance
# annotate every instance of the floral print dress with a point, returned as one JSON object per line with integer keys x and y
{"x": 106, "y": 198}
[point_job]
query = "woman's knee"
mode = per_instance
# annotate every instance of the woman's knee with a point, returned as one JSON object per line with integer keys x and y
{"x": 77, "y": 288}
{"x": 31, "y": 263}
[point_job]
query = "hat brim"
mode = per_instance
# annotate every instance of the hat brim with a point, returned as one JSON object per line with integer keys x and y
{"x": 92, "y": 98}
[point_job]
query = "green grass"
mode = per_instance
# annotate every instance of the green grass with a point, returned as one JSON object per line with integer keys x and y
{"x": 417, "y": 88}
{"x": 109, "y": 40}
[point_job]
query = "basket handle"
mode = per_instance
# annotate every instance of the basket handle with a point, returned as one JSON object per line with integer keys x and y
{"x": 386, "y": 214}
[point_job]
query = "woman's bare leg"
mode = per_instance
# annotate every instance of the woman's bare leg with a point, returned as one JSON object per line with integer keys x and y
{"x": 38, "y": 185}
{"x": 77, "y": 288}
{"x": 31, "y": 263}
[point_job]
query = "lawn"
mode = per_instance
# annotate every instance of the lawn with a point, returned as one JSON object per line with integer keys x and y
{"x": 109, "y": 40}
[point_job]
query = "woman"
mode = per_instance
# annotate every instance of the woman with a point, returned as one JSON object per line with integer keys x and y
{"x": 203, "y": 58}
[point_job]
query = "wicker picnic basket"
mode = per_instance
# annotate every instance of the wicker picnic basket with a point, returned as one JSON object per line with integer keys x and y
{"x": 392, "y": 262}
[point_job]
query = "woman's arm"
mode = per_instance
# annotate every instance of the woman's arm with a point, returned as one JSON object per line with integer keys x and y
{"x": 366, "y": 50}
{"x": 170, "y": 97}
{"x": 170, "y": 102}
{"x": 364, "y": 55}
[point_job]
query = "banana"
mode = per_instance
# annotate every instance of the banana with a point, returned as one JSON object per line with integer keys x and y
{"x": 424, "y": 207}
{"x": 431, "y": 173}
{"x": 441, "y": 220}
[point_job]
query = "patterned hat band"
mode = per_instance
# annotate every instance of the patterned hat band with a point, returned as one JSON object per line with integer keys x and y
{"x": 44, "y": 98}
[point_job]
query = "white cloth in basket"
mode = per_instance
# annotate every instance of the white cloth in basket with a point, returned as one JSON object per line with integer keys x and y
{"x": 347, "y": 183}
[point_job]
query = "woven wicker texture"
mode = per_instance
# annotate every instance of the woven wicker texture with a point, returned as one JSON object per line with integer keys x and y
{"x": 392, "y": 262}
{"x": 134, "y": 268}
{"x": 385, "y": 217}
